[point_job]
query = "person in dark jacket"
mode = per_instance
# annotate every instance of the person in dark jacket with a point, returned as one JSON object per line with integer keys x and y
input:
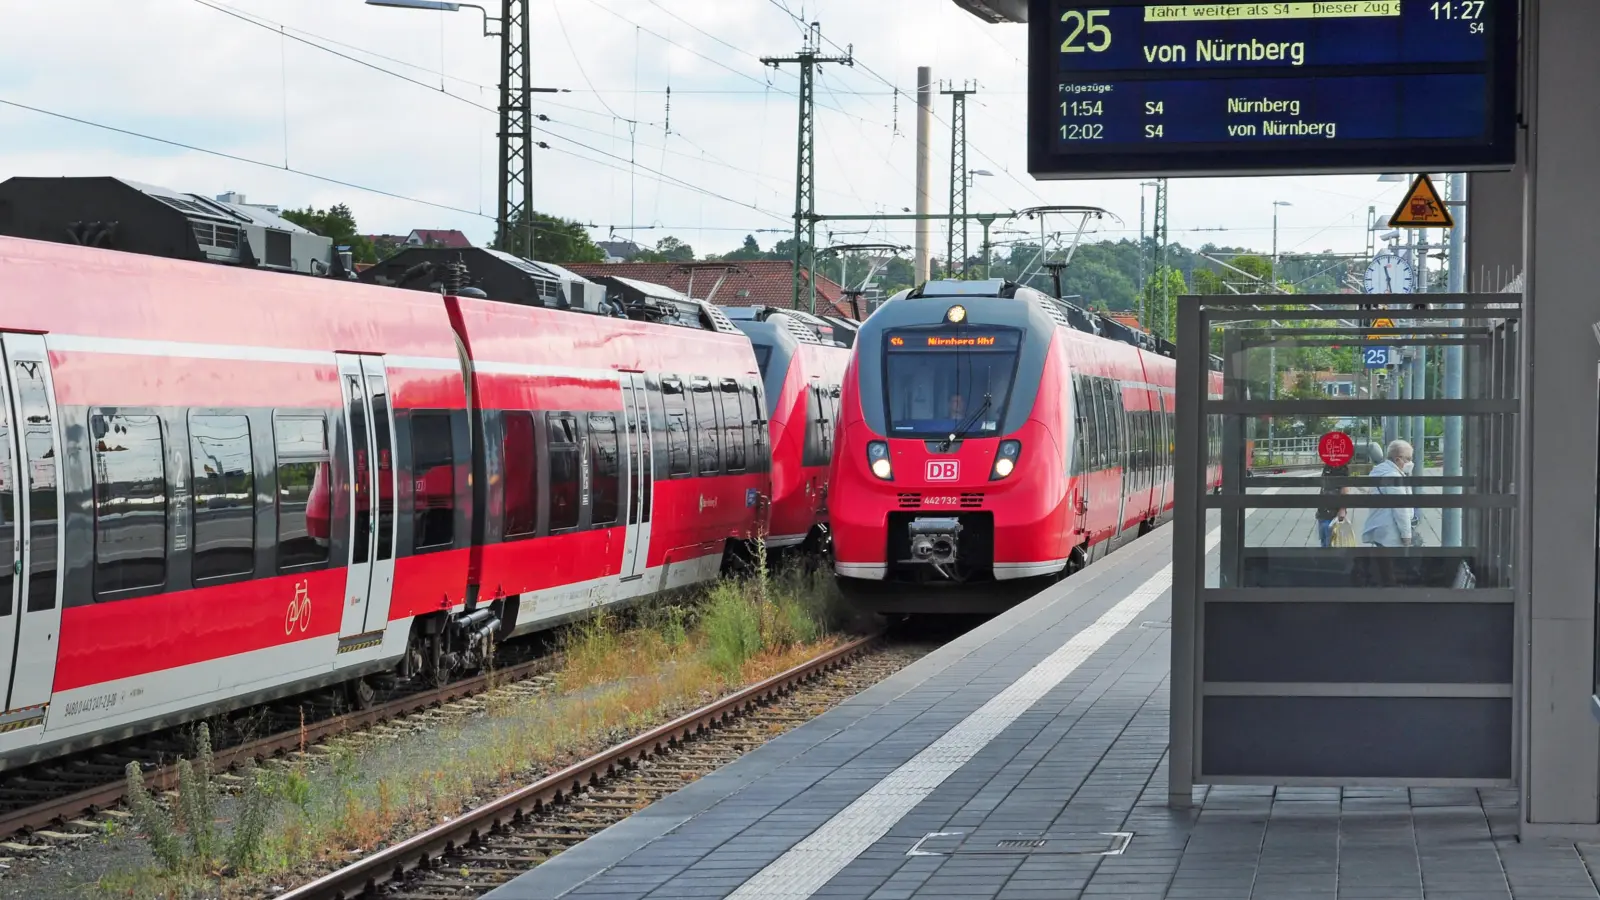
{"x": 1327, "y": 514}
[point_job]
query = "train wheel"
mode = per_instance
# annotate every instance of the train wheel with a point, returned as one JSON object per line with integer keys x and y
{"x": 362, "y": 693}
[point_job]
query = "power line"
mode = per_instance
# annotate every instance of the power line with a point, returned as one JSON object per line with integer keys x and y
{"x": 473, "y": 103}
{"x": 243, "y": 159}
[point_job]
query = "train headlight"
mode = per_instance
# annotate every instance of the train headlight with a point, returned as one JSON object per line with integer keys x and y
{"x": 1005, "y": 460}
{"x": 956, "y": 314}
{"x": 878, "y": 460}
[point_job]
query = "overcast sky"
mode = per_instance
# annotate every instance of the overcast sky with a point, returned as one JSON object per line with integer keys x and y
{"x": 196, "y": 72}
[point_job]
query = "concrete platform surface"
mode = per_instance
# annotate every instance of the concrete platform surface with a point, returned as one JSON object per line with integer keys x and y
{"x": 1026, "y": 760}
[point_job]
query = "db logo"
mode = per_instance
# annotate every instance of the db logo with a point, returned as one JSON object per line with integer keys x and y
{"x": 943, "y": 470}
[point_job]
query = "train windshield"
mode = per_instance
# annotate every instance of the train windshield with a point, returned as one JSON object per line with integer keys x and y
{"x": 949, "y": 381}
{"x": 763, "y": 357}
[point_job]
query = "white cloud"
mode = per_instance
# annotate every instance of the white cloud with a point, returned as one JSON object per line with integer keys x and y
{"x": 177, "y": 69}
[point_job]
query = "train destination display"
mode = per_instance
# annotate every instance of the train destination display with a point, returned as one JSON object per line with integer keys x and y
{"x": 1124, "y": 87}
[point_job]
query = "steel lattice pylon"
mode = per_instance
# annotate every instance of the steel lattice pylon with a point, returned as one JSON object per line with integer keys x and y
{"x": 956, "y": 247}
{"x": 516, "y": 121}
{"x": 805, "y": 200}
{"x": 1162, "y": 324}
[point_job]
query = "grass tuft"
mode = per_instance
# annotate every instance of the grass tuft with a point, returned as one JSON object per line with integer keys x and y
{"x": 615, "y": 679}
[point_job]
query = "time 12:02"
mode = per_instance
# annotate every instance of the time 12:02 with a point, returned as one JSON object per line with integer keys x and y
{"x": 1083, "y": 108}
{"x": 1073, "y": 131}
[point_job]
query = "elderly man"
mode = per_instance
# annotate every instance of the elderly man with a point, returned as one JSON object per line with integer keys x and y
{"x": 1391, "y": 527}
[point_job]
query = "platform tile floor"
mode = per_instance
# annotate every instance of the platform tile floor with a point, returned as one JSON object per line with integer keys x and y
{"x": 1067, "y": 802}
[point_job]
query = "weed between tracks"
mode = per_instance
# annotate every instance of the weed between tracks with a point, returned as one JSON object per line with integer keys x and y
{"x": 289, "y": 823}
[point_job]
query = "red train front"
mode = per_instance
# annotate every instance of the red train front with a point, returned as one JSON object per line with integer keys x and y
{"x": 987, "y": 436}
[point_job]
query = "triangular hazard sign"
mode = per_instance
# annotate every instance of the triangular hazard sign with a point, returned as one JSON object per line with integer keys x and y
{"x": 1422, "y": 208}
{"x": 1383, "y": 323}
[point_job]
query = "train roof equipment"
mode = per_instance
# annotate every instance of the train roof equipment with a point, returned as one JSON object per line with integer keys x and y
{"x": 500, "y": 276}
{"x": 647, "y": 301}
{"x": 119, "y": 214}
{"x": 807, "y": 328}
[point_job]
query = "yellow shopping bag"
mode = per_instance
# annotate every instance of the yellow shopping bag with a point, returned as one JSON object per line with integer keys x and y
{"x": 1344, "y": 534}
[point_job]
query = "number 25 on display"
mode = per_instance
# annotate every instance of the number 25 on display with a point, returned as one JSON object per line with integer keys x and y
{"x": 1375, "y": 357}
{"x": 1086, "y": 24}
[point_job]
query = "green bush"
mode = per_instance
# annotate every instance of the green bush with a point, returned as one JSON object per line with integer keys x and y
{"x": 190, "y": 843}
{"x": 732, "y": 625}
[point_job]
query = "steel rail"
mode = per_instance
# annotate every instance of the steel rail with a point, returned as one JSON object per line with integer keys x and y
{"x": 422, "y": 850}
{"x": 111, "y": 793}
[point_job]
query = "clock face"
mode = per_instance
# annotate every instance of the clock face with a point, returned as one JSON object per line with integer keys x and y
{"x": 1388, "y": 274}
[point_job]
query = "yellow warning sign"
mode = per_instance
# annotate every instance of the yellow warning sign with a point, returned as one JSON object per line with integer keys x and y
{"x": 1381, "y": 323}
{"x": 1422, "y": 208}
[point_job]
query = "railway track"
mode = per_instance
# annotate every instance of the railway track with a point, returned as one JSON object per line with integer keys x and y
{"x": 37, "y": 797}
{"x": 490, "y": 845}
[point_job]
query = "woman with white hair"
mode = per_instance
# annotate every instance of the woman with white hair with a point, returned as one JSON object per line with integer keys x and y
{"x": 1391, "y": 527}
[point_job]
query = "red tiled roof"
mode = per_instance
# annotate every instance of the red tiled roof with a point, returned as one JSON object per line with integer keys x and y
{"x": 762, "y": 282}
{"x": 1127, "y": 318}
{"x": 443, "y": 237}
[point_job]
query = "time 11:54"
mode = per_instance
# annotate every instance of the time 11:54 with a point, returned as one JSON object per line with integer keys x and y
{"x": 1083, "y": 108}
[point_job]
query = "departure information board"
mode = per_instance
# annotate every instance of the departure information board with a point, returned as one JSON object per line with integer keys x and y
{"x": 1158, "y": 88}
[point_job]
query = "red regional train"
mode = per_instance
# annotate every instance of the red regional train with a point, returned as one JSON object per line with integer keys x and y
{"x": 802, "y": 376}
{"x": 989, "y": 434}
{"x": 219, "y": 486}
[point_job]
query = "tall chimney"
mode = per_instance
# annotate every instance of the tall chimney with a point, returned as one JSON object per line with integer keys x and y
{"x": 924, "y": 169}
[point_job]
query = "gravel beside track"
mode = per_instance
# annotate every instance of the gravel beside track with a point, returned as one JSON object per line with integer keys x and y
{"x": 61, "y": 800}
{"x": 494, "y": 843}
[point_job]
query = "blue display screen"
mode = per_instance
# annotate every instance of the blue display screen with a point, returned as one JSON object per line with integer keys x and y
{"x": 1140, "y": 88}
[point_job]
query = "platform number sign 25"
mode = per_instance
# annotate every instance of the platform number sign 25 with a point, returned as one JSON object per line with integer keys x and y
{"x": 1375, "y": 357}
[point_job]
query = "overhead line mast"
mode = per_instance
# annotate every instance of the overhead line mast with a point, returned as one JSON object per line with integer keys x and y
{"x": 956, "y": 246}
{"x": 805, "y": 201}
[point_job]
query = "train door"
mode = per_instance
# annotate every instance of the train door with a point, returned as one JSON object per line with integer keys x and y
{"x": 641, "y": 471}
{"x": 372, "y": 487}
{"x": 1084, "y": 460}
{"x": 30, "y": 498}
{"x": 1124, "y": 454}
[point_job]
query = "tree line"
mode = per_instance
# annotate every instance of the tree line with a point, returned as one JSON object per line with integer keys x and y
{"x": 1108, "y": 275}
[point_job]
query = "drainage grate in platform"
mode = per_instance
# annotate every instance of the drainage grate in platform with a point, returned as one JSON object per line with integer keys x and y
{"x": 1070, "y": 843}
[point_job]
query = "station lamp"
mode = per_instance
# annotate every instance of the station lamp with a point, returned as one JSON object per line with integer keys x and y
{"x": 440, "y": 6}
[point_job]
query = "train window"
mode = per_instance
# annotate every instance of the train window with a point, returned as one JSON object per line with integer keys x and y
{"x": 356, "y": 415}
{"x": 733, "y": 427}
{"x": 130, "y": 501}
{"x": 677, "y": 428}
{"x": 677, "y": 443}
{"x": 705, "y": 414}
{"x": 377, "y": 390}
{"x": 605, "y": 463}
{"x": 303, "y": 500}
{"x": 224, "y": 496}
{"x": 39, "y": 443}
{"x": 8, "y": 504}
{"x": 1114, "y": 413}
{"x": 750, "y": 414}
{"x": 819, "y": 428}
{"x": 1080, "y": 462}
{"x": 565, "y": 487}
{"x": 433, "y": 512}
{"x": 1091, "y": 398}
{"x": 520, "y": 477}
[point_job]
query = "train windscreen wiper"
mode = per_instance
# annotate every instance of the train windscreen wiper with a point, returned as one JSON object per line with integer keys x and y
{"x": 969, "y": 421}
